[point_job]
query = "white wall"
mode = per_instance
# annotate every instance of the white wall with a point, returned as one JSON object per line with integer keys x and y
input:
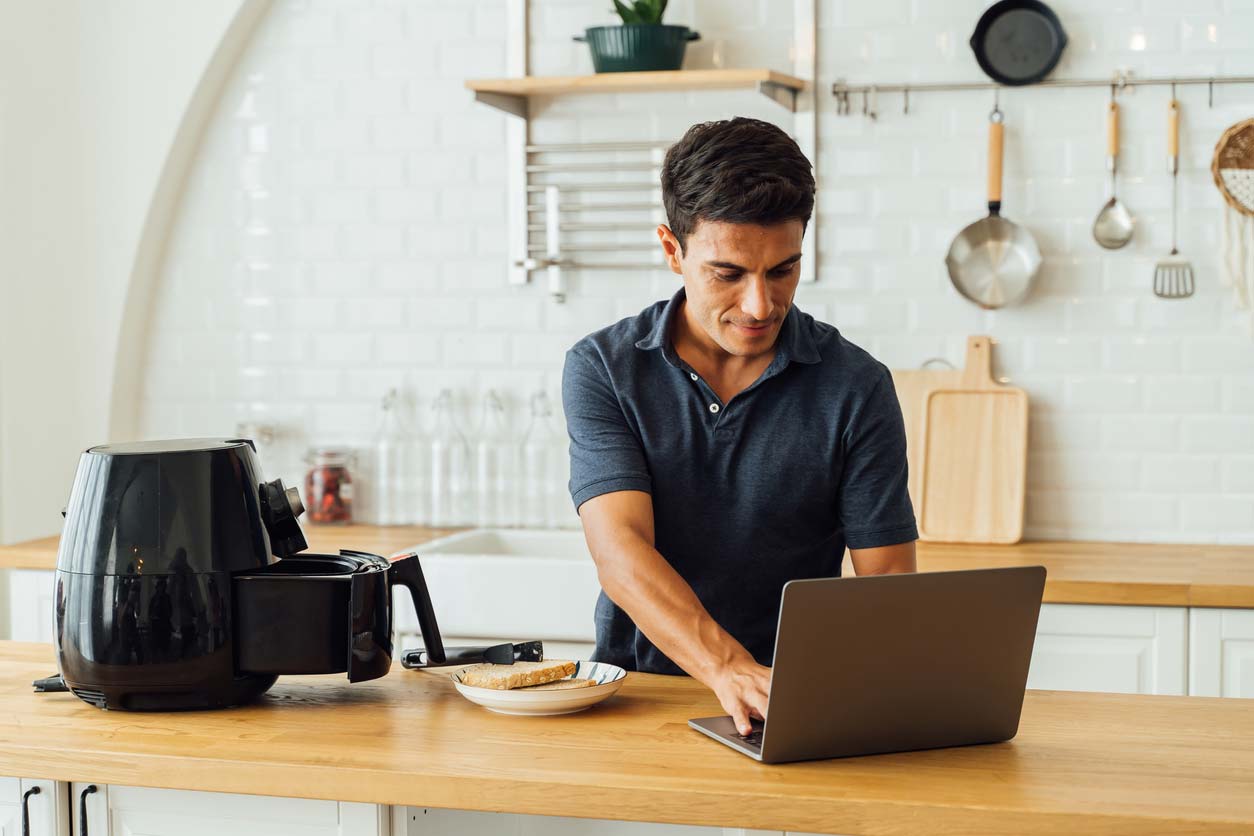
{"x": 93, "y": 97}
{"x": 343, "y": 232}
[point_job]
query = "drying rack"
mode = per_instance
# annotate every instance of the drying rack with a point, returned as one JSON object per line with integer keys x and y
{"x": 869, "y": 92}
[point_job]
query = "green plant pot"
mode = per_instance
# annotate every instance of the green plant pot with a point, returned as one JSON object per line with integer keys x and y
{"x": 637, "y": 47}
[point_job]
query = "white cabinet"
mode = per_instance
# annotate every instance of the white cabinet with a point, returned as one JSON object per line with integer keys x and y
{"x": 423, "y": 821}
{"x": 140, "y": 811}
{"x": 1132, "y": 650}
{"x": 46, "y": 804}
{"x": 1221, "y": 653}
{"x": 32, "y": 605}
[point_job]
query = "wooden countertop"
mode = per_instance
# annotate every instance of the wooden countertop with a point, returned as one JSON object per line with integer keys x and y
{"x": 386, "y": 540}
{"x": 1081, "y": 763}
{"x": 1146, "y": 574}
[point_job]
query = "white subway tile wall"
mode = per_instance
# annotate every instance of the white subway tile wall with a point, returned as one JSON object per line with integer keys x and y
{"x": 344, "y": 230}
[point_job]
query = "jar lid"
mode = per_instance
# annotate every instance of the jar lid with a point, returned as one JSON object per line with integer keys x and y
{"x": 328, "y": 455}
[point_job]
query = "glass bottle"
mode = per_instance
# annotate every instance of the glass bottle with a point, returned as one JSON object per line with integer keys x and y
{"x": 542, "y": 485}
{"x": 496, "y": 467}
{"x": 329, "y": 485}
{"x": 390, "y": 466}
{"x": 450, "y": 467}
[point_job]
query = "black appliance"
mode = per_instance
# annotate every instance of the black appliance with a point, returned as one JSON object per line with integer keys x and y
{"x": 178, "y": 585}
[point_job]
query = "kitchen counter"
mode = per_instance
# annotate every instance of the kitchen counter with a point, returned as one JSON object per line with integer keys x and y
{"x": 1082, "y": 762}
{"x": 1146, "y": 574}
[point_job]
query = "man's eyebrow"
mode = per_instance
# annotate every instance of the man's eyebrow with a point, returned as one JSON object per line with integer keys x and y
{"x": 728, "y": 265}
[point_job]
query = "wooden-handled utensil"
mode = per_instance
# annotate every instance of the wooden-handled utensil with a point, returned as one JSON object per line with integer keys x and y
{"x": 1173, "y": 276}
{"x": 993, "y": 261}
{"x": 1113, "y": 227}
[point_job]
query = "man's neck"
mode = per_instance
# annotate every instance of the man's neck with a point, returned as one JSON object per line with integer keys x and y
{"x": 725, "y": 371}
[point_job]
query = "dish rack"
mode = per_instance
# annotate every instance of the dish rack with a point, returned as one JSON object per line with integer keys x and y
{"x": 591, "y": 206}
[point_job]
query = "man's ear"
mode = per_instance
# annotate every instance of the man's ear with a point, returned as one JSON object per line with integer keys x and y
{"x": 670, "y": 248}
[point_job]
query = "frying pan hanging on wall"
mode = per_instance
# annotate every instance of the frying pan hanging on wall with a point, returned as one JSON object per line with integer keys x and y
{"x": 1018, "y": 42}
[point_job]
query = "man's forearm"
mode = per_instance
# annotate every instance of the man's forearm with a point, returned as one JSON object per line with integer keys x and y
{"x": 664, "y": 607}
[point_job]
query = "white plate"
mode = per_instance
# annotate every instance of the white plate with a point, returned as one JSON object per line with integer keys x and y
{"x": 609, "y": 678}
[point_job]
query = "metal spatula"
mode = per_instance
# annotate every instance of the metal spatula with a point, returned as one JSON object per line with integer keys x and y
{"x": 1173, "y": 276}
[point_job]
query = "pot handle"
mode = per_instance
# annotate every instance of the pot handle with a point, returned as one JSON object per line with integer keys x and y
{"x": 583, "y": 39}
{"x": 407, "y": 572}
{"x": 693, "y": 36}
{"x": 995, "y": 142}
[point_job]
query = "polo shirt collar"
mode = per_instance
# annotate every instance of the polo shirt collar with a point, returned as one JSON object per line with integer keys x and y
{"x": 795, "y": 343}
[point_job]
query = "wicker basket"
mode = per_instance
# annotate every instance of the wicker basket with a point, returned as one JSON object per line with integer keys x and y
{"x": 1232, "y": 166}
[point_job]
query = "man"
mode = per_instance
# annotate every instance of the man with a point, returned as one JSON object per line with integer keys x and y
{"x": 724, "y": 442}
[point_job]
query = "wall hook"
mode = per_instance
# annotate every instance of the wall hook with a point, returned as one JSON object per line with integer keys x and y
{"x": 870, "y": 103}
{"x": 842, "y": 97}
{"x": 1210, "y": 93}
{"x": 905, "y": 101}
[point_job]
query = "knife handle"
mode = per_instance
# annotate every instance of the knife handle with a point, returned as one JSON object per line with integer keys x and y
{"x": 464, "y": 655}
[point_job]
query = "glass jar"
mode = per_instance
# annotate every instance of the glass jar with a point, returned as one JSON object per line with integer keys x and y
{"x": 329, "y": 485}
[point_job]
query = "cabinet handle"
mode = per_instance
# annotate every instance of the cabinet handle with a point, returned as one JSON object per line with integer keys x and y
{"x": 26, "y": 809}
{"x": 82, "y": 808}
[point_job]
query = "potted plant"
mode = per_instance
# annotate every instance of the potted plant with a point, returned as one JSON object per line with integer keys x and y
{"x": 641, "y": 43}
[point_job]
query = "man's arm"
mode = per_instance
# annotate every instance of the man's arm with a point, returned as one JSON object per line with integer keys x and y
{"x": 619, "y": 529}
{"x": 884, "y": 560}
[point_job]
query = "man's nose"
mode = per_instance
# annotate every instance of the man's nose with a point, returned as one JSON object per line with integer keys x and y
{"x": 756, "y": 301}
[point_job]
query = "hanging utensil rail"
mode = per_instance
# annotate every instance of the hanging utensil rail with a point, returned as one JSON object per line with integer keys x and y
{"x": 843, "y": 90}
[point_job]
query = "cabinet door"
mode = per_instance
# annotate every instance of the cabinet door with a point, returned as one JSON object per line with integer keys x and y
{"x": 10, "y": 807}
{"x": 1122, "y": 649}
{"x": 138, "y": 811}
{"x": 1221, "y": 653}
{"x": 426, "y": 821}
{"x": 32, "y": 613}
{"x": 48, "y": 807}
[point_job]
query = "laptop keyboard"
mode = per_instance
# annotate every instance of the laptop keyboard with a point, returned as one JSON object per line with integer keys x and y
{"x": 753, "y": 738}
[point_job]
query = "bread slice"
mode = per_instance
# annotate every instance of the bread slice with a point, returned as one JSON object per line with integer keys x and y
{"x": 517, "y": 675}
{"x": 561, "y": 685}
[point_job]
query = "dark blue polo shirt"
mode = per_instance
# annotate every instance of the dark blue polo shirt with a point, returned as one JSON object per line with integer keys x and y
{"x": 749, "y": 494}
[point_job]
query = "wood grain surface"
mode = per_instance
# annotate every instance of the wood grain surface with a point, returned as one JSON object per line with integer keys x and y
{"x": 1081, "y": 763}
{"x": 1079, "y": 572}
{"x": 639, "y": 81}
{"x": 974, "y": 456}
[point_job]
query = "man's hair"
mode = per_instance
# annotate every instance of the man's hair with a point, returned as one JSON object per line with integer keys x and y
{"x": 737, "y": 170}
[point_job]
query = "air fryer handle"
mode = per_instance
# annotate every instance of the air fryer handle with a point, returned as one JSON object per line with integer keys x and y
{"x": 407, "y": 572}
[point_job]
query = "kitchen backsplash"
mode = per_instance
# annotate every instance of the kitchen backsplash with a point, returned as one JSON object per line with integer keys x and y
{"x": 343, "y": 232}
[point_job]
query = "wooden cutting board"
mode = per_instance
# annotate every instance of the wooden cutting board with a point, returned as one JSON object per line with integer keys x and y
{"x": 967, "y": 445}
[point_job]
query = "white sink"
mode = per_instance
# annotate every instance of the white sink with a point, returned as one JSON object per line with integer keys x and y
{"x": 524, "y": 584}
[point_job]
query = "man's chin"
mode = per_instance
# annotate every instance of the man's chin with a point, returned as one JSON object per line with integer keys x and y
{"x": 743, "y": 344}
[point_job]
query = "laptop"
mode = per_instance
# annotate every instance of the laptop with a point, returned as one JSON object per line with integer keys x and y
{"x": 892, "y": 663}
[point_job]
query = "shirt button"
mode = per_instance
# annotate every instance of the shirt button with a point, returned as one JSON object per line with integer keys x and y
{"x": 693, "y": 376}
{"x": 713, "y": 407}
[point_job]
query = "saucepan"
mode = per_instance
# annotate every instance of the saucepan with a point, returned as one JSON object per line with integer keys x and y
{"x": 993, "y": 261}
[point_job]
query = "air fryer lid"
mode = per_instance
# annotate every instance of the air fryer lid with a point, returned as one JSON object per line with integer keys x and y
{"x": 176, "y": 506}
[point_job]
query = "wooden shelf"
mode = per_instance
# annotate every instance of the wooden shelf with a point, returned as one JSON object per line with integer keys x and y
{"x": 511, "y": 94}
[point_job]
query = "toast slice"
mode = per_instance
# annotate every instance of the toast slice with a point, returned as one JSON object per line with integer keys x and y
{"x": 517, "y": 675}
{"x": 561, "y": 685}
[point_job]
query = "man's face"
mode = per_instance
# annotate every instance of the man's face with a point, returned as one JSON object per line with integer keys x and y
{"x": 740, "y": 280}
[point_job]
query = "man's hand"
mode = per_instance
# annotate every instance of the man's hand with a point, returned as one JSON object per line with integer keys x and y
{"x": 742, "y": 689}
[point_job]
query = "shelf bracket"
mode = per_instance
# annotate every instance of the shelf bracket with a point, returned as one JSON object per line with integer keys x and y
{"x": 780, "y": 93}
{"x": 515, "y": 105}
